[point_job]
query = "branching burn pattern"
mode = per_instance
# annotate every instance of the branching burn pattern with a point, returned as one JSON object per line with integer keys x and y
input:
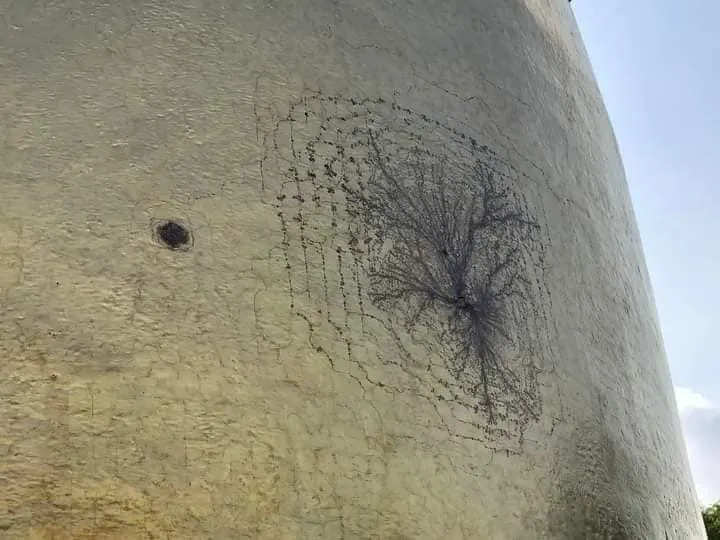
{"x": 394, "y": 223}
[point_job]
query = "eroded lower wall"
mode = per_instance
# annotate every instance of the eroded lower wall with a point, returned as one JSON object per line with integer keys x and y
{"x": 403, "y": 295}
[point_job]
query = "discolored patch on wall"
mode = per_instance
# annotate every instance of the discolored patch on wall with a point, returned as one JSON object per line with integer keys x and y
{"x": 104, "y": 509}
{"x": 398, "y": 228}
{"x": 594, "y": 488}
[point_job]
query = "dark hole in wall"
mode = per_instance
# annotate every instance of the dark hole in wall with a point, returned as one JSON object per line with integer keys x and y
{"x": 173, "y": 234}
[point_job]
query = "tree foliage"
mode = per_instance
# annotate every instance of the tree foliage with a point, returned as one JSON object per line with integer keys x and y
{"x": 711, "y": 518}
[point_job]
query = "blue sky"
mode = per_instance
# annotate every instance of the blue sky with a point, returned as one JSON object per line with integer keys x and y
{"x": 658, "y": 65}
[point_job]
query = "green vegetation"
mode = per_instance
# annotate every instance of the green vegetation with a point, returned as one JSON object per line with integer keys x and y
{"x": 711, "y": 517}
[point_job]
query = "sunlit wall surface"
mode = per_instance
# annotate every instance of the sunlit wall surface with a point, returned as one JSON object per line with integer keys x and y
{"x": 321, "y": 270}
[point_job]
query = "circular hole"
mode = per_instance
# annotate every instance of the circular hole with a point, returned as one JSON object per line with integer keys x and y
{"x": 173, "y": 234}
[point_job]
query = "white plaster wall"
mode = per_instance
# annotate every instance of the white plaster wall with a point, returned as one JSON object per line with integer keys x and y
{"x": 152, "y": 393}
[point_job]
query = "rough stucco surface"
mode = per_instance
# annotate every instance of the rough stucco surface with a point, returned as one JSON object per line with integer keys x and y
{"x": 304, "y": 368}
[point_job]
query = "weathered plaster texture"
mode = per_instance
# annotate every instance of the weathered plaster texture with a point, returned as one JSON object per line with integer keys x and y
{"x": 413, "y": 304}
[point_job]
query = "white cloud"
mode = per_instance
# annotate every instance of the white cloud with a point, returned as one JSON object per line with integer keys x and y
{"x": 701, "y": 427}
{"x": 688, "y": 400}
